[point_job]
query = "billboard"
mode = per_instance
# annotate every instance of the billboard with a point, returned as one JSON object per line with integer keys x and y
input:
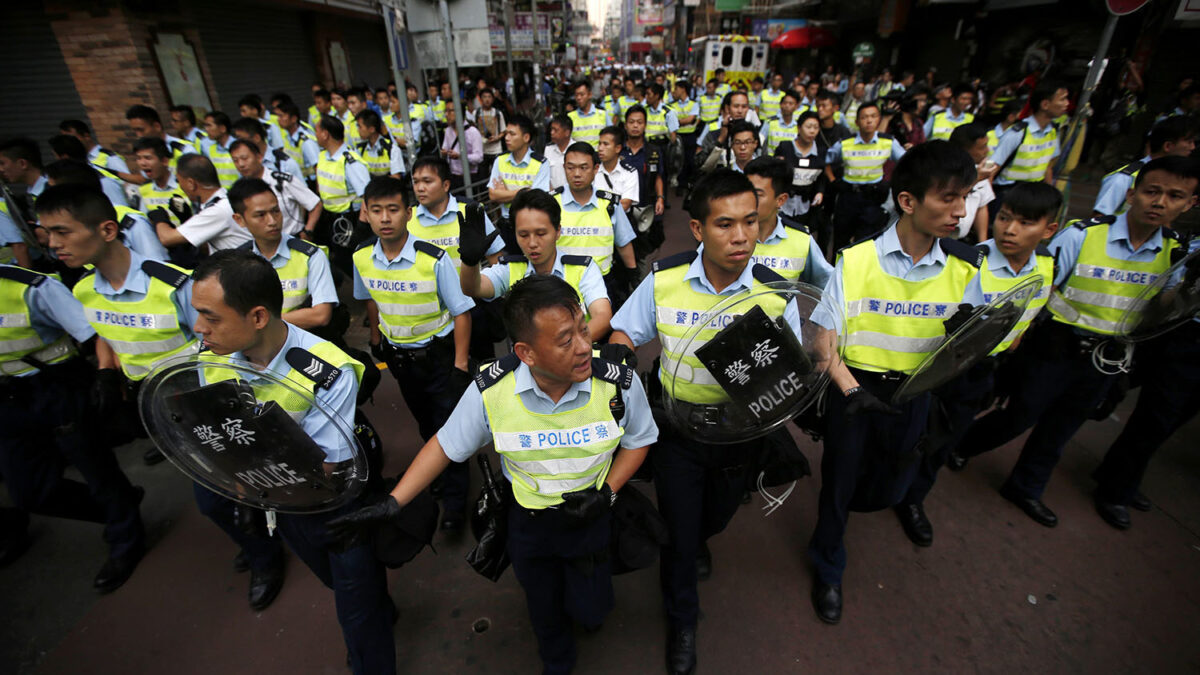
{"x": 521, "y": 33}
{"x": 769, "y": 29}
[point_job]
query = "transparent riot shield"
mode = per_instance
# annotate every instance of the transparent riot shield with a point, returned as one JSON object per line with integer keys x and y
{"x": 237, "y": 430}
{"x": 988, "y": 326}
{"x": 748, "y": 365}
{"x": 1165, "y": 303}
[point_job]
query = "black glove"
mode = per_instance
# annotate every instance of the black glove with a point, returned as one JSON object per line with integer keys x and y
{"x": 106, "y": 392}
{"x": 380, "y": 351}
{"x": 585, "y": 506}
{"x": 860, "y": 401}
{"x": 159, "y": 215}
{"x": 472, "y": 242}
{"x": 618, "y": 353}
{"x": 349, "y": 527}
{"x": 960, "y": 317}
{"x": 459, "y": 380}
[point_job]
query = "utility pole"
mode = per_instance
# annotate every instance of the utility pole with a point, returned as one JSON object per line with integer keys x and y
{"x": 537, "y": 60}
{"x": 444, "y": 10}
{"x": 508, "y": 19}
{"x": 393, "y": 16}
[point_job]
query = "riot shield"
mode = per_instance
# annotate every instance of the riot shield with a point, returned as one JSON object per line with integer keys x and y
{"x": 748, "y": 365}
{"x": 988, "y": 326}
{"x": 1165, "y": 303}
{"x": 227, "y": 425}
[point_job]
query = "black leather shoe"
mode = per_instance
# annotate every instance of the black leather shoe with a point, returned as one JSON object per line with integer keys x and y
{"x": 153, "y": 456}
{"x": 1140, "y": 502}
{"x": 1113, "y": 514}
{"x": 956, "y": 462}
{"x": 703, "y": 563}
{"x": 241, "y": 561}
{"x": 453, "y": 521}
{"x": 264, "y": 586}
{"x": 827, "y": 601}
{"x": 116, "y": 571}
{"x": 915, "y": 523}
{"x": 1033, "y": 507}
{"x": 681, "y": 652}
{"x": 14, "y": 536}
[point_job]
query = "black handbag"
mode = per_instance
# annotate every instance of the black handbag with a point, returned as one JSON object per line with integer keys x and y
{"x": 489, "y": 524}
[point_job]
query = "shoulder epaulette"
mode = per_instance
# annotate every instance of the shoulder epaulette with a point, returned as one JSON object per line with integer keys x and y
{"x": 21, "y": 275}
{"x": 246, "y": 246}
{"x": 178, "y": 145}
{"x": 280, "y": 155}
{"x": 368, "y": 242}
{"x": 493, "y": 373}
{"x": 302, "y": 135}
{"x": 625, "y": 163}
{"x": 306, "y": 247}
{"x": 281, "y": 176}
{"x": 321, "y": 372}
{"x": 557, "y": 191}
{"x": 1131, "y": 168}
{"x": 684, "y": 258}
{"x": 605, "y": 194}
{"x": 1084, "y": 223}
{"x": 106, "y": 151}
{"x": 127, "y": 222}
{"x": 885, "y": 135}
{"x": 349, "y": 157}
{"x": 538, "y": 156}
{"x": 792, "y": 224}
{"x": 1042, "y": 249}
{"x": 1018, "y": 126}
{"x": 428, "y": 249}
{"x": 512, "y": 258}
{"x": 764, "y": 274}
{"x": 385, "y": 142}
{"x": 613, "y": 373}
{"x": 165, "y": 273}
{"x": 966, "y": 252}
{"x": 583, "y": 260}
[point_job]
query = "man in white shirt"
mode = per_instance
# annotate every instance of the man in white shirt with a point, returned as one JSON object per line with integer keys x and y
{"x": 972, "y": 137}
{"x": 560, "y": 138}
{"x": 299, "y": 206}
{"x": 213, "y": 223}
{"x": 615, "y": 174}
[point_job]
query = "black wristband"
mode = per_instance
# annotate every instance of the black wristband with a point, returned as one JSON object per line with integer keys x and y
{"x": 852, "y": 391}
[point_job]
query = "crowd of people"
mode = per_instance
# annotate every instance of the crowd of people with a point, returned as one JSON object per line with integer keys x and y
{"x": 908, "y": 203}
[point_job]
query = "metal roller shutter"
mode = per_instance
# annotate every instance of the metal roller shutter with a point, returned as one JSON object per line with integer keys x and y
{"x": 38, "y": 89}
{"x": 366, "y": 45}
{"x": 252, "y": 49}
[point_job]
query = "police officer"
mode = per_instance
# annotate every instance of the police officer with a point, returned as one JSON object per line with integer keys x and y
{"x": 1027, "y": 149}
{"x": 162, "y": 198}
{"x": 97, "y": 154}
{"x": 66, "y": 147}
{"x": 898, "y": 293}
{"x": 770, "y": 99}
{"x": 647, "y": 160}
{"x": 587, "y": 119}
{"x": 48, "y": 417}
{"x": 615, "y": 173}
{"x": 571, "y": 430}
{"x": 699, "y": 485}
{"x": 942, "y": 123}
{"x": 342, "y": 177}
{"x": 142, "y": 312}
{"x": 251, "y": 105}
{"x": 1027, "y": 219}
{"x": 144, "y": 122}
{"x": 419, "y": 319}
{"x": 518, "y": 169}
{"x": 687, "y": 112}
{"x": 783, "y": 127}
{"x": 183, "y": 121}
{"x": 299, "y": 141}
{"x": 300, "y": 207}
{"x": 862, "y": 189}
{"x": 217, "y": 125}
{"x": 537, "y": 223}
{"x": 1173, "y": 136}
{"x": 376, "y": 149}
{"x": 273, "y": 159}
{"x": 439, "y": 215}
{"x": 239, "y": 307}
{"x": 784, "y": 246}
{"x": 710, "y": 105}
{"x": 1104, "y": 263}
{"x": 212, "y": 223}
{"x": 136, "y": 230}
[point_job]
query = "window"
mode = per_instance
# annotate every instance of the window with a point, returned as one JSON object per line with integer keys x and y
{"x": 747, "y": 56}
{"x": 727, "y": 56}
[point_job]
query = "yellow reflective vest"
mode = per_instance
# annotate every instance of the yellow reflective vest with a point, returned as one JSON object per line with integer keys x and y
{"x": 410, "y": 310}
{"x": 18, "y": 338}
{"x": 994, "y": 286}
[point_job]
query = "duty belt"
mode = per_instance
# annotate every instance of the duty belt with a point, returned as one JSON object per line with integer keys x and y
{"x": 865, "y": 187}
{"x": 702, "y": 414}
{"x": 659, "y": 140}
{"x": 404, "y": 356}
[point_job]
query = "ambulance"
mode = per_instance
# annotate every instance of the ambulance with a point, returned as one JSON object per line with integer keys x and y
{"x": 743, "y": 57}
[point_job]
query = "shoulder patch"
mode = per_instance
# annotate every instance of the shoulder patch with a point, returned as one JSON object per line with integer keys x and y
{"x": 614, "y": 373}
{"x": 973, "y": 256}
{"x": 246, "y": 246}
{"x": 1018, "y": 126}
{"x": 605, "y": 194}
{"x": 178, "y": 145}
{"x": 684, "y": 258}
{"x": 792, "y": 224}
{"x": 624, "y": 163}
{"x": 22, "y": 275}
{"x": 428, "y": 249}
{"x": 321, "y": 372}
{"x": 368, "y": 243}
{"x": 764, "y": 274}
{"x": 106, "y": 151}
{"x": 281, "y": 176}
{"x": 307, "y": 248}
{"x": 583, "y": 260}
{"x": 385, "y": 142}
{"x": 164, "y": 273}
{"x": 1084, "y": 223}
{"x": 349, "y": 157}
{"x": 1131, "y": 168}
{"x": 127, "y": 222}
{"x": 886, "y": 135}
{"x": 537, "y": 156}
{"x": 506, "y": 259}
{"x": 495, "y": 371}
{"x": 1043, "y": 250}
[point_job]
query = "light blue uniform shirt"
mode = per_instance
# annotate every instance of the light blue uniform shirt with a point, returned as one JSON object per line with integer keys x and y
{"x": 449, "y": 291}
{"x": 39, "y": 186}
{"x": 1011, "y": 140}
{"x": 467, "y": 428}
{"x": 340, "y": 398}
{"x": 320, "y": 278}
{"x": 310, "y": 152}
{"x": 112, "y": 189}
{"x": 816, "y": 270}
{"x": 638, "y": 319}
{"x": 834, "y": 155}
{"x": 998, "y": 265}
{"x": 541, "y": 180}
{"x": 949, "y": 116}
{"x": 1067, "y": 244}
{"x": 766, "y": 124}
{"x": 114, "y": 162}
{"x": 53, "y": 310}
{"x": 591, "y": 285}
{"x": 137, "y": 283}
{"x": 9, "y": 232}
{"x": 274, "y": 138}
{"x": 194, "y": 135}
{"x": 672, "y": 120}
{"x": 425, "y": 217}
{"x": 897, "y": 263}
{"x": 622, "y": 230}
{"x": 357, "y": 175}
{"x": 1113, "y": 189}
{"x": 141, "y": 237}
{"x": 686, "y": 110}
{"x": 288, "y": 165}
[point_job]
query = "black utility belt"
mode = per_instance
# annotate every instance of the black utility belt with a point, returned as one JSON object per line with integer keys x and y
{"x": 68, "y": 369}
{"x": 865, "y": 187}
{"x": 702, "y": 413}
{"x": 659, "y": 140}
{"x": 436, "y": 347}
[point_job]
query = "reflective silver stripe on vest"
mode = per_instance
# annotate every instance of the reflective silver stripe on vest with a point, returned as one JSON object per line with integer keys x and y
{"x": 1096, "y": 299}
{"x": 586, "y": 231}
{"x": 685, "y": 372}
{"x": 409, "y": 331}
{"x": 558, "y": 467}
{"x": 400, "y": 309}
{"x": 157, "y": 346}
{"x": 892, "y": 343}
{"x": 780, "y": 263}
{"x": 140, "y": 371}
{"x": 555, "y": 486}
{"x": 1070, "y": 314}
{"x": 291, "y": 302}
{"x": 14, "y": 320}
{"x": 58, "y": 349}
{"x": 108, "y": 317}
{"x": 675, "y": 344}
{"x": 1101, "y": 273}
{"x": 11, "y": 346}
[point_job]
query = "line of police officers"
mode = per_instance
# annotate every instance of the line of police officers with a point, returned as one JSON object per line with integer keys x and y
{"x": 571, "y": 430}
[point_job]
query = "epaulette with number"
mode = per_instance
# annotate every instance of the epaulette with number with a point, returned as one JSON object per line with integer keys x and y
{"x": 321, "y": 372}
{"x": 281, "y": 176}
{"x": 764, "y": 274}
{"x": 626, "y": 164}
{"x": 495, "y": 371}
{"x": 306, "y": 247}
{"x": 966, "y": 252}
{"x": 1131, "y": 168}
{"x": 583, "y": 260}
{"x": 429, "y": 249}
{"x": 165, "y": 273}
{"x": 684, "y": 258}
{"x": 613, "y": 373}
{"x": 512, "y": 258}
{"x": 21, "y": 275}
{"x": 1084, "y": 223}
